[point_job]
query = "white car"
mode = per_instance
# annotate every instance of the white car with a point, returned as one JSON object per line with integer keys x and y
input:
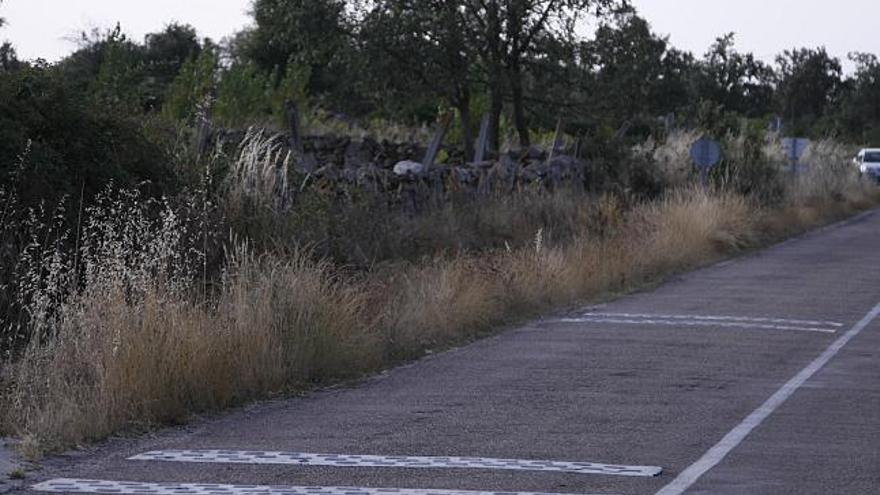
{"x": 868, "y": 161}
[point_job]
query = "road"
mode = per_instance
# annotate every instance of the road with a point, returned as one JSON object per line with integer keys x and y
{"x": 759, "y": 375}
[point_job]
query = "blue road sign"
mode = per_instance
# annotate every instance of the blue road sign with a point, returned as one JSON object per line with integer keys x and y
{"x": 705, "y": 153}
{"x": 795, "y": 148}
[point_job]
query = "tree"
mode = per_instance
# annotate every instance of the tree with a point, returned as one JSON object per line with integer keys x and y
{"x": 8, "y": 58}
{"x": 635, "y": 72}
{"x": 63, "y": 144}
{"x": 193, "y": 87}
{"x": 809, "y": 81}
{"x": 311, "y": 33}
{"x": 509, "y": 33}
{"x": 859, "y": 112}
{"x": 111, "y": 67}
{"x": 423, "y": 41}
{"x": 164, "y": 55}
{"x": 738, "y": 82}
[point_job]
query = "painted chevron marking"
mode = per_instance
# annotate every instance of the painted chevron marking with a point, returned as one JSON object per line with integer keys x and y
{"x": 65, "y": 485}
{"x": 691, "y": 323}
{"x": 784, "y": 321}
{"x": 392, "y": 461}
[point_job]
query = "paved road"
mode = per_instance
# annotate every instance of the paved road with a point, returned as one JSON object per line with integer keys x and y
{"x": 677, "y": 378}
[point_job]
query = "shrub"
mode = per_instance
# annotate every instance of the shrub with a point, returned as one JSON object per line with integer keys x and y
{"x": 55, "y": 143}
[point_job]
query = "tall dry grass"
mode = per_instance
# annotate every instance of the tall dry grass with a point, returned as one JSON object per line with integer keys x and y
{"x": 128, "y": 336}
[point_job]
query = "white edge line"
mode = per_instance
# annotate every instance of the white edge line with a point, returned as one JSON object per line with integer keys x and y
{"x": 140, "y": 488}
{"x": 308, "y": 459}
{"x": 701, "y": 323}
{"x": 714, "y": 318}
{"x": 730, "y": 441}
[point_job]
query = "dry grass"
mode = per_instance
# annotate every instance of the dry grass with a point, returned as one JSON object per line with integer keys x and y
{"x": 119, "y": 359}
{"x": 135, "y": 345}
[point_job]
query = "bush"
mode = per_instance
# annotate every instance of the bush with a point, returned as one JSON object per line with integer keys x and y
{"x": 54, "y": 141}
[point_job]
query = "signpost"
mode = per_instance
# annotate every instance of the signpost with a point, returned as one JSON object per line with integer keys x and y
{"x": 794, "y": 149}
{"x": 705, "y": 153}
{"x": 776, "y": 124}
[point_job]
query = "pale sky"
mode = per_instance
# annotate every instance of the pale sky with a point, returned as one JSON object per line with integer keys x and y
{"x": 768, "y": 27}
{"x": 41, "y": 28}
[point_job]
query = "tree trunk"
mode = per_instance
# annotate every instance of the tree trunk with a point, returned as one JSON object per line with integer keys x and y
{"x": 467, "y": 128}
{"x": 496, "y": 74}
{"x": 519, "y": 116}
{"x": 496, "y": 105}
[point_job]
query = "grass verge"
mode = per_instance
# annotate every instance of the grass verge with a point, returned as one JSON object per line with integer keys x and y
{"x": 131, "y": 346}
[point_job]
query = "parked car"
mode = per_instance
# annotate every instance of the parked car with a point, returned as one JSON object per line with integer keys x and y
{"x": 868, "y": 161}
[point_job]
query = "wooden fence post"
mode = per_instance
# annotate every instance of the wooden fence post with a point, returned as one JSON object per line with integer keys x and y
{"x": 293, "y": 122}
{"x": 434, "y": 148}
{"x": 557, "y": 137}
{"x": 203, "y": 137}
{"x": 482, "y": 140}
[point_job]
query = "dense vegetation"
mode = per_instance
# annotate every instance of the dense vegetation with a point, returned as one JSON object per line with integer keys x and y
{"x": 120, "y": 109}
{"x": 162, "y": 252}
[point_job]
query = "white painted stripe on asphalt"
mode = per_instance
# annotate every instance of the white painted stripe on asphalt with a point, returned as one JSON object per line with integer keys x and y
{"x": 391, "y": 461}
{"x": 719, "y": 318}
{"x": 699, "y": 323}
{"x": 730, "y": 441}
{"x": 65, "y": 485}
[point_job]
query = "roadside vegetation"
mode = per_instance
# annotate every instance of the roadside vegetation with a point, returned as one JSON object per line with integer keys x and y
{"x": 135, "y": 329}
{"x": 165, "y": 248}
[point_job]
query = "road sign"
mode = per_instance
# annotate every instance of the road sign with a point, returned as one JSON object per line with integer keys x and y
{"x": 794, "y": 149}
{"x": 705, "y": 153}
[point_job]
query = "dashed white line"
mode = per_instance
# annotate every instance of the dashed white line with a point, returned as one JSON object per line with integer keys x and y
{"x": 65, "y": 485}
{"x": 719, "y": 318}
{"x": 730, "y": 441}
{"x": 692, "y": 323}
{"x": 392, "y": 461}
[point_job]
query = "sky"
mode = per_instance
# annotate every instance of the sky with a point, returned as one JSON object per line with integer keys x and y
{"x": 768, "y": 27}
{"x": 44, "y": 28}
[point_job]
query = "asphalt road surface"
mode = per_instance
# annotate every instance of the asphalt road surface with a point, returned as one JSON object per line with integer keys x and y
{"x": 756, "y": 376}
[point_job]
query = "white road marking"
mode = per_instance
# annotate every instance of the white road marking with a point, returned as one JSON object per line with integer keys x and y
{"x": 391, "y": 461}
{"x": 730, "y": 441}
{"x": 719, "y": 318}
{"x": 64, "y": 485}
{"x": 693, "y": 323}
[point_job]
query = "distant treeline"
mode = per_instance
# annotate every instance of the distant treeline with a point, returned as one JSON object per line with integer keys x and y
{"x": 120, "y": 109}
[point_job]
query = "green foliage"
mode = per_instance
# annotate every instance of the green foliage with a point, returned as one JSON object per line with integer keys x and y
{"x": 809, "y": 84}
{"x": 193, "y": 87}
{"x": 131, "y": 76}
{"x": 307, "y": 33}
{"x": 246, "y": 94}
{"x": 8, "y": 58}
{"x": 859, "y": 112}
{"x": 54, "y": 142}
{"x": 631, "y": 70}
{"x": 165, "y": 53}
{"x": 394, "y": 62}
{"x": 735, "y": 81}
{"x": 747, "y": 169}
{"x": 293, "y": 87}
{"x": 243, "y": 96}
{"x": 119, "y": 82}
